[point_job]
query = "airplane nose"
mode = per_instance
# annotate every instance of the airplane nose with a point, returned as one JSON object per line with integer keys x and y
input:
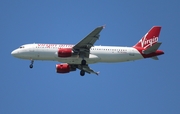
{"x": 14, "y": 53}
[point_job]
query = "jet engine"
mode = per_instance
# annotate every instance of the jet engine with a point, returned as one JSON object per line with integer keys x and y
{"x": 64, "y": 68}
{"x": 65, "y": 52}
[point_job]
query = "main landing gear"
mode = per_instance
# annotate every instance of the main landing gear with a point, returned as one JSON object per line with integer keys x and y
{"x": 82, "y": 72}
{"x": 83, "y": 62}
{"x": 31, "y": 65}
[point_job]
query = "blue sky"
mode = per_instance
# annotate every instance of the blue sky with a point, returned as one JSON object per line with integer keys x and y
{"x": 144, "y": 86}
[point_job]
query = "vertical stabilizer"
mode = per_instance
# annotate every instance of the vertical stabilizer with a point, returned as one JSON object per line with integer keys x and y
{"x": 150, "y": 38}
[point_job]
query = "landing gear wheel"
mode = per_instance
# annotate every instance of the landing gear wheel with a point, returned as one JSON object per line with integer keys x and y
{"x": 82, "y": 72}
{"x": 30, "y": 66}
{"x": 83, "y": 62}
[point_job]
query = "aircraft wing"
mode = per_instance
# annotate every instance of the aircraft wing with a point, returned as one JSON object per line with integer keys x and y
{"x": 86, "y": 69}
{"x": 85, "y": 44}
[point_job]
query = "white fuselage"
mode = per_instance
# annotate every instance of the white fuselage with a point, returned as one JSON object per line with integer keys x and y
{"x": 97, "y": 53}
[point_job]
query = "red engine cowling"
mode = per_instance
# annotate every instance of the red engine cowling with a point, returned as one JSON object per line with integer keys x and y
{"x": 64, "y": 52}
{"x": 63, "y": 68}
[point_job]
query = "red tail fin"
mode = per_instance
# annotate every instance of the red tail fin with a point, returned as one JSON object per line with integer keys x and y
{"x": 150, "y": 38}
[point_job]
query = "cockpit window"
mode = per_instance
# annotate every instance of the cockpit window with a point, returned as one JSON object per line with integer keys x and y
{"x": 21, "y": 47}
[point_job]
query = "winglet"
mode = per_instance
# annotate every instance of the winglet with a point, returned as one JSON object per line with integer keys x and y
{"x": 97, "y": 73}
{"x": 104, "y": 26}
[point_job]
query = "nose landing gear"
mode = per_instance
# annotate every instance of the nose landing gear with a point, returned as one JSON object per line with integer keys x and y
{"x": 31, "y": 65}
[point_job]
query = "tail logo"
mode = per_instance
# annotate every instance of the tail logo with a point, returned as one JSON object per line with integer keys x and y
{"x": 146, "y": 43}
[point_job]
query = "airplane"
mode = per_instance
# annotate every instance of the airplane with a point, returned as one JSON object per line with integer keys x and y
{"x": 80, "y": 55}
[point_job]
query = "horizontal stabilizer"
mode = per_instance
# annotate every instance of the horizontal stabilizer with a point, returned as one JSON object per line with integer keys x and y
{"x": 155, "y": 58}
{"x": 152, "y": 48}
